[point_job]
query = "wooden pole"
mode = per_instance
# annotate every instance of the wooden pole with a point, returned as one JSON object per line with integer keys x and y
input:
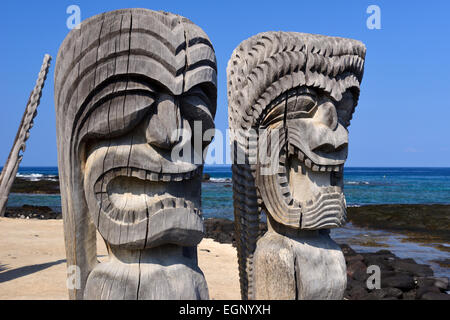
{"x": 15, "y": 156}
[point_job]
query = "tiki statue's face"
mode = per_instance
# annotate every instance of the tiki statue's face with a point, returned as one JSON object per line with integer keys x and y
{"x": 139, "y": 195}
{"x": 314, "y": 146}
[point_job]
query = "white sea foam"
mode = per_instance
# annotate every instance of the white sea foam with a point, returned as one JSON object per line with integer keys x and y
{"x": 37, "y": 176}
{"x": 220, "y": 180}
{"x": 358, "y": 183}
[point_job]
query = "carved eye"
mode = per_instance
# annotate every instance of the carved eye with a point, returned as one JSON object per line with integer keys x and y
{"x": 117, "y": 113}
{"x": 196, "y": 106}
{"x": 345, "y": 109}
{"x": 305, "y": 103}
{"x": 292, "y": 104}
{"x": 301, "y": 106}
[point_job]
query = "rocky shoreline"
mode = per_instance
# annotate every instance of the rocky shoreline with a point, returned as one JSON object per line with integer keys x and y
{"x": 44, "y": 186}
{"x": 424, "y": 224}
{"x": 401, "y": 279}
{"x": 32, "y": 212}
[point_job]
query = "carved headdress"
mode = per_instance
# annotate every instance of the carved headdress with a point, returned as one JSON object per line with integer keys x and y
{"x": 107, "y": 79}
{"x": 275, "y": 78}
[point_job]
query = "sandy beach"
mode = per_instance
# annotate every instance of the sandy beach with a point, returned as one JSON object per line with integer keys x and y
{"x": 33, "y": 266}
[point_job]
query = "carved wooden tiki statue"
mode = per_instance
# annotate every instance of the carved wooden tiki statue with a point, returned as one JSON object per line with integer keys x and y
{"x": 304, "y": 88}
{"x": 129, "y": 86}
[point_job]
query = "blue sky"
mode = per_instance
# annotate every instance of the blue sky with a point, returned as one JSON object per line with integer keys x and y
{"x": 403, "y": 117}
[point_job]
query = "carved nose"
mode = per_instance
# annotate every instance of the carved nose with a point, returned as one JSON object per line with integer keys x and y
{"x": 163, "y": 129}
{"x": 327, "y": 115}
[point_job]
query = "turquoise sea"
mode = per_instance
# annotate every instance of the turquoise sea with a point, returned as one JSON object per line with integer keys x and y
{"x": 363, "y": 186}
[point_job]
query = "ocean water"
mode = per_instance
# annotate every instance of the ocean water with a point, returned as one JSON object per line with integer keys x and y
{"x": 362, "y": 186}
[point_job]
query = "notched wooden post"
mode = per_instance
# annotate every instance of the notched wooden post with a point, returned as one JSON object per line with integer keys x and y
{"x": 15, "y": 156}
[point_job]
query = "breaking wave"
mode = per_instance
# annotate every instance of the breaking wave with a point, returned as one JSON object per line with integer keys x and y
{"x": 220, "y": 180}
{"x": 37, "y": 176}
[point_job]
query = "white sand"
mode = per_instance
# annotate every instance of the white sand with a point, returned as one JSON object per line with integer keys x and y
{"x": 33, "y": 266}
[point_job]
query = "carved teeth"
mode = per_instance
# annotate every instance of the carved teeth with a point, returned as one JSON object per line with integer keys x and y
{"x": 291, "y": 150}
{"x": 168, "y": 203}
{"x": 308, "y": 163}
{"x": 138, "y": 173}
{"x": 144, "y": 175}
{"x": 177, "y": 177}
{"x": 189, "y": 204}
{"x": 285, "y": 191}
{"x": 282, "y": 179}
{"x": 179, "y": 203}
{"x": 156, "y": 206}
{"x": 99, "y": 187}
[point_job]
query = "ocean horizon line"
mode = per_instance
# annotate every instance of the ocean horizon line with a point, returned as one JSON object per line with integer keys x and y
{"x": 229, "y": 165}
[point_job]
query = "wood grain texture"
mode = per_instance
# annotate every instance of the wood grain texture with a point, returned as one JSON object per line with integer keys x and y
{"x": 23, "y": 133}
{"x": 305, "y": 88}
{"x": 124, "y": 83}
{"x": 305, "y": 266}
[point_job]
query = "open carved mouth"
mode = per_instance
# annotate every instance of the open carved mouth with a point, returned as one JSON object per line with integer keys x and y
{"x": 315, "y": 189}
{"x": 131, "y": 193}
{"x": 297, "y": 153}
{"x": 133, "y": 189}
{"x": 149, "y": 208}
